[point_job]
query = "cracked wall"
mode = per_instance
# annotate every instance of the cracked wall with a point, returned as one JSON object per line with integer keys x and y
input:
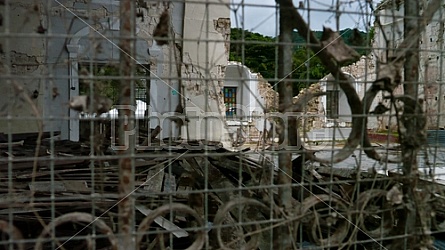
{"x": 205, "y": 56}
{"x": 23, "y": 58}
{"x": 432, "y": 77}
{"x": 50, "y": 65}
{"x": 363, "y": 73}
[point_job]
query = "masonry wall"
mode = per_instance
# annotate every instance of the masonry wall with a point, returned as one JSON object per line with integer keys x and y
{"x": 92, "y": 38}
{"x": 431, "y": 57}
{"x": 22, "y": 63}
{"x": 205, "y": 57}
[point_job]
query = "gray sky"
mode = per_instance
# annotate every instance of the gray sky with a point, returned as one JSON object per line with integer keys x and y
{"x": 260, "y": 15}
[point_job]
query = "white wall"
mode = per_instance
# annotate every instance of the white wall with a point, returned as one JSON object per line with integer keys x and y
{"x": 205, "y": 56}
{"x": 238, "y": 75}
{"x": 29, "y": 61}
{"x": 344, "y": 111}
{"x": 432, "y": 76}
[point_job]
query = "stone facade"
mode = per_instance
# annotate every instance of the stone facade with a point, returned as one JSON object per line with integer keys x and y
{"x": 313, "y": 114}
{"x": 431, "y": 82}
{"x": 269, "y": 95}
{"x": 387, "y": 37}
{"x": 88, "y": 32}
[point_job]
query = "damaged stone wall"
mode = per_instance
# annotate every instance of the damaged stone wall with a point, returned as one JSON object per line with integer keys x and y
{"x": 432, "y": 76}
{"x": 313, "y": 114}
{"x": 364, "y": 73}
{"x": 432, "y": 89}
{"x": 269, "y": 95}
{"x": 269, "y": 98}
{"x": 24, "y": 59}
{"x": 199, "y": 63}
{"x": 205, "y": 57}
{"x": 45, "y": 66}
{"x": 222, "y": 26}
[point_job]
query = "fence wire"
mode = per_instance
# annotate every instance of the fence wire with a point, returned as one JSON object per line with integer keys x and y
{"x": 217, "y": 124}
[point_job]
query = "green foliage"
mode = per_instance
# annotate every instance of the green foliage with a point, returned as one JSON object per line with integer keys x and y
{"x": 306, "y": 71}
{"x": 259, "y": 54}
{"x": 259, "y": 51}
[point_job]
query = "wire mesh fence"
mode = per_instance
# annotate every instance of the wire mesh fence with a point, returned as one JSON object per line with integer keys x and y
{"x": 217, "y": 124}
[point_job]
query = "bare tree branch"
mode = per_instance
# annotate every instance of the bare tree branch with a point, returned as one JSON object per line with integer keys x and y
{"x": 331, "y": 63}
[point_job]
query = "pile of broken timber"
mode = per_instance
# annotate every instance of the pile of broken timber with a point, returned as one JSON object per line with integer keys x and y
{"x": 239, "y": 188}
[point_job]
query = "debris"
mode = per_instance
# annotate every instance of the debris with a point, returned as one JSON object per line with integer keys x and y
{"x": 99, "y": 105}
{"x": 239, "y": 190}
{"x": 59, "y": 186}
{"x": 336, "y": 47}
{"x": 394, "y": 195}
{"x": 154, "y": 180}
{"x": 161, "y": 31}
{"x": 166, "y": 224}
{"x": 379, "y": 109}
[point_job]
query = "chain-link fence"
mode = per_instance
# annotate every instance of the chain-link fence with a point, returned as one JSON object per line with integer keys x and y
{"x": 217, "y": 124}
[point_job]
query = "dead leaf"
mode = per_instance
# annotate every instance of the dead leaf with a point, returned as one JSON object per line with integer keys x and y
{"x": 336, "y": 47}
{"x": 82, "y": 103}
{"x": 394, "y": 195}
{"x": 55, "y": 92}
{"x": 161, "y": 31}
{"x": 389, "y": 75}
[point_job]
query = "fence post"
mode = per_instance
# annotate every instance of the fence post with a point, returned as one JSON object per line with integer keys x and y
{"x": 283, "y": 234}
{"x": 417, "y": 220}
{"x": 126, "y": 176}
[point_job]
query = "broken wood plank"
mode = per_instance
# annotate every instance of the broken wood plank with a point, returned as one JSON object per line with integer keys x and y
{"x": 169, "y": 183}
{"x": 42, "y": 162}
{"x": 164, "y": 223}
{"x": 155, "y": 177}
{"x": 59, "y": 186}
{"x": 12, "y": 144}
{"x": 28, "y": 175}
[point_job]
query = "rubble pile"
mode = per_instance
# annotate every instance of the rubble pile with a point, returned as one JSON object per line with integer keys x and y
{"x": 189, "y": 192}
{"x": 267, "y": 92}
{"x": 313, "y": 113}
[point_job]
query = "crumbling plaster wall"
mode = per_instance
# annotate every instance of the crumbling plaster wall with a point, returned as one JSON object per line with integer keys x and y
{"x": 41, "y": 64}
{"x": 432, "y": 88}
{"x": 92, "y": 32}
{"x": 22, "y": 63}
{"x": 201, "y": 55}
{"x": 163, "y": 61}
{"x": 313, "y": 113}
{"x": 363, "y": 73}
{"x": 254, "y": 97}
{"x": 205, "y": 55}
{"x": 267, "y": 93}
{"x": 388, "y": 35}
{"x": 200, "y": 32}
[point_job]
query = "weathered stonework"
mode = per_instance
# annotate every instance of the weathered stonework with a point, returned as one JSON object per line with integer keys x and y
{"x": 222, "y": 25}
{"x": 185, "y": 57}
{"x": 205, "y": 56}
{"x": 269, "y": 95}
{"x": 364, "y": 73}
{"x": 313, "y": 112}
{"x": 432, "y": 87}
